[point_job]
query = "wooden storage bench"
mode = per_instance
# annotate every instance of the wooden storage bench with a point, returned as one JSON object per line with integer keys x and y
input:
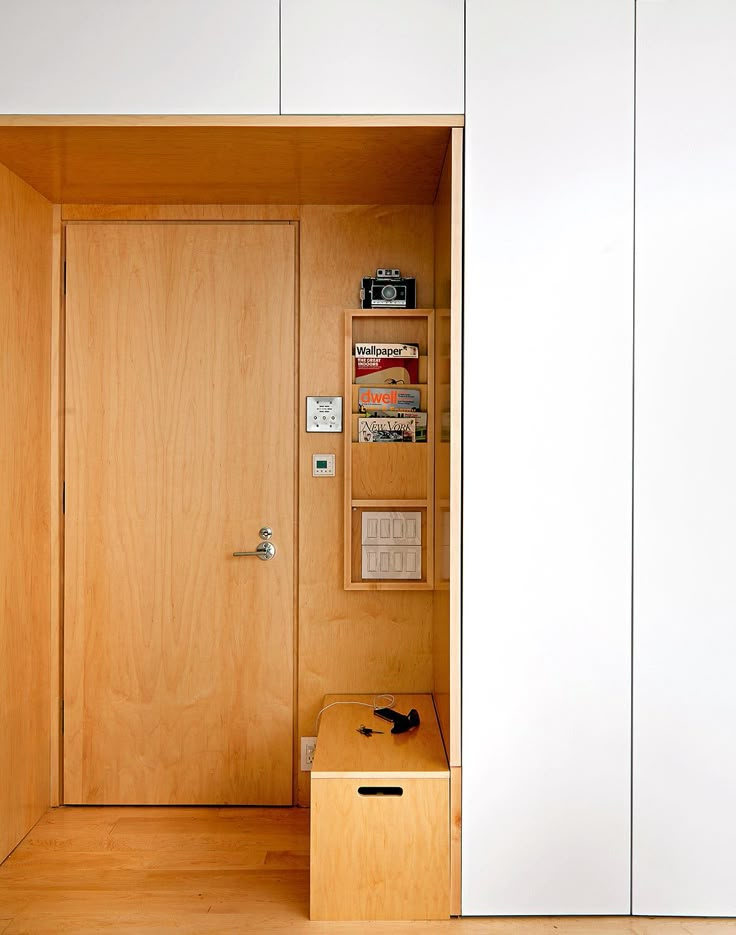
{"x": 380, "y": 825}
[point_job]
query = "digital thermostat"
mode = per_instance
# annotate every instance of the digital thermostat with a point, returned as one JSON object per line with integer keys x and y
{"x": 324, "y": 413}
{"x": 323, "y": 465}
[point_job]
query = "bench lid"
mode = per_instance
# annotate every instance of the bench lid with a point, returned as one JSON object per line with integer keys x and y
{"x": 342, "y": 752}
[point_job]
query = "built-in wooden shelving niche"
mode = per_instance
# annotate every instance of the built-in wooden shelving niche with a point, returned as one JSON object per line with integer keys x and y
{"x": 389, "y": 477}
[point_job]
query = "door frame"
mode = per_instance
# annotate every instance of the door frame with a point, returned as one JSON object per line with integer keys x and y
{"x": 150, "y": 214}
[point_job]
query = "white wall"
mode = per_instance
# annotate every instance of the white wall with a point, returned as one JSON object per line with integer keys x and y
{"x": 547, "y": 454}
{"x": 685, "y": 461}
{"x": 139, "y": 57}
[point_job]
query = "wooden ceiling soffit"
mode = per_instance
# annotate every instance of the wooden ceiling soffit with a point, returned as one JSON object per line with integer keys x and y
{"x": 147, "y": 164}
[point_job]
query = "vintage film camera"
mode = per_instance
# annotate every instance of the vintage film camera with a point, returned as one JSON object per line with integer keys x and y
{"x": 388, "y": 290}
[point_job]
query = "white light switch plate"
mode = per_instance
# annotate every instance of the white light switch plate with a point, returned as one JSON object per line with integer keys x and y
{"x": 324, "y": 413}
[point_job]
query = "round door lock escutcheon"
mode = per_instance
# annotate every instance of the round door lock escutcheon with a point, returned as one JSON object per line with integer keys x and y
{"x": 265, "y": 532}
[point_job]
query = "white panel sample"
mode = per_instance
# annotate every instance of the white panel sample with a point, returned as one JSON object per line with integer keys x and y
{"x": 547, "y": 457}
{"x": 382, "y": 57}
{"x": 392, "y": 562}
{"x": 391, "y": 544}
{"x": 685, "y": 461}
{"x": 391, "y": 528}
{"x": 139, "y": 57}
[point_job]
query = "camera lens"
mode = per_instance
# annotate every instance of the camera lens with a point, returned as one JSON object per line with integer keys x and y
{"x": 388, "y": 292}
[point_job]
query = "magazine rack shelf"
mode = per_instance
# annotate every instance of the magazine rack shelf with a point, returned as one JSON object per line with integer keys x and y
{"x": 390, "y": 477}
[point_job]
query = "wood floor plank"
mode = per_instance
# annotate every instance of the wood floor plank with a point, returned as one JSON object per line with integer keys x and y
{"x": 291, "y": 860}
{"x": 211, "y": 872}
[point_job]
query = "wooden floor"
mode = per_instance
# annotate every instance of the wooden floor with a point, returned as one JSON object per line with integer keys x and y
{"x": 203, "y": 871}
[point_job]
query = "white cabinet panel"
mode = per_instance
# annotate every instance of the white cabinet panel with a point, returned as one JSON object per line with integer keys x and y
{"x": 685, "y": 461}
{"x": 547, "y": 457}
{"x": 382, "y": 57}
{"x": 139, "y": 57}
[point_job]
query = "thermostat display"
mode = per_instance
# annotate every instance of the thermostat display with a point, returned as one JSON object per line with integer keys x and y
{"x": 323, "y": 465}
{"x": 324, "y": 413}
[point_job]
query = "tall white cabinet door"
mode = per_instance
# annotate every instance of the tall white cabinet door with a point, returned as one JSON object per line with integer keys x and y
{"x": 139, "y": 57}
{"x": 382, "y": 57}
{"x": 547, "y": 455}
{"x": 685, "y": 461}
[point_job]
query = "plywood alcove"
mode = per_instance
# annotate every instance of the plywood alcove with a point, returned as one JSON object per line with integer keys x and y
{"x": 228, "y": 160}
{"x": 361, "y": 193}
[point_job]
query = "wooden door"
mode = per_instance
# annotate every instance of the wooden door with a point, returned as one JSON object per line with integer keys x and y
{"x": 180, "y": 445}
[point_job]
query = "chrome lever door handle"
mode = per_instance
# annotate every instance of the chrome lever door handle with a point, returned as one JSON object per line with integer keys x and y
{"x": 264, "y": 550}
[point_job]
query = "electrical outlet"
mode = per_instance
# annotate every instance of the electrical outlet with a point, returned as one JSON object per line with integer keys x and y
{"x": 309, "y": 745}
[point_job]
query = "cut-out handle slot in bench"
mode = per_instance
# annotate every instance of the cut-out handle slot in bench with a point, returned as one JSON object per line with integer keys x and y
{"x": 380, "y": 790}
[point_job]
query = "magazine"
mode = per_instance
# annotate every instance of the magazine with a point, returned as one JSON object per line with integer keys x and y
{"x": 386, "y": 363}
{"x": 385, "y": 399}
{"x": 386, "y": 430}
{"x": 419, "y": 418}
{"x": 391, "y": 370}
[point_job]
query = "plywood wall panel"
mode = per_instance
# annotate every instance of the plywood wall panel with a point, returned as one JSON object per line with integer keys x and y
{"x": 361, "y": 641}
{"x": 448, "y": 399}
{"x": 25, "y": 328}
{"x": 447, "y": 492}
{"x": 443, "y": 287}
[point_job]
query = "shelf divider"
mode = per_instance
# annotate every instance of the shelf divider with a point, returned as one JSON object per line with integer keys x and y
{"x": 392, "y": 504}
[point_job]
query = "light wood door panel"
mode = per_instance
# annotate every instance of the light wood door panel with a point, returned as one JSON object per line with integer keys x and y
{"x": 180, "y": 446}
